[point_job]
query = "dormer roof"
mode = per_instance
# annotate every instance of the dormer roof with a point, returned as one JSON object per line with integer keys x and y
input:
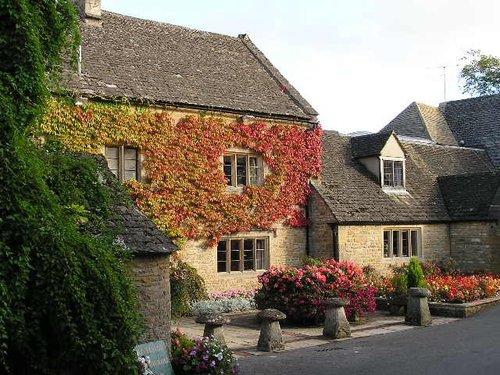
{"x": 369, "y": 144}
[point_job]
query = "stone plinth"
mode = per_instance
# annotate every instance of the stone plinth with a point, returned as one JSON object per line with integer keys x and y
{"x": 417, "y": 311}
{"x": 336, "y": 324}
{"x": 270, "y": 338}
{"x": 214, "y": 325}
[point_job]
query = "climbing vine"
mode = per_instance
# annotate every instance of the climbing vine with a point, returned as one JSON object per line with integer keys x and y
{"x": 186, "y": 191}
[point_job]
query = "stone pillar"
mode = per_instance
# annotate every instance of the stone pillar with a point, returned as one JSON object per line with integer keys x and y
{"x": 214, "y": 323}
{"x": 270, "y": 338}
{"x": 336, "y": 324}
{"x": 417, "y": 312}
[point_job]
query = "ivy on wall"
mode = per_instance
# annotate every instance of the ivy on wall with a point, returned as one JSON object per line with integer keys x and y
{"x": 186, "y": 194}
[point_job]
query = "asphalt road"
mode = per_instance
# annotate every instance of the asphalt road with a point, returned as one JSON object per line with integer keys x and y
{"x": 464, "y": 347}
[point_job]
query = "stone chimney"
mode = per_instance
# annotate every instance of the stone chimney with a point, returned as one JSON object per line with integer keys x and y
{"x": 90, "y": 10}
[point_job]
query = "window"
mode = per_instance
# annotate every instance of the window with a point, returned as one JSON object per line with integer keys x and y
{"x": 243, "y": 169}
{"x": 123, "y": 161}
{"x": 401, "y": 243}
{"x": 242, "y": 254}
{"x": 393, "y": 173}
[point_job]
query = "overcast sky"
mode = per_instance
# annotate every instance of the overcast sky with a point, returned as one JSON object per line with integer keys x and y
{"x": 358, "y": 62}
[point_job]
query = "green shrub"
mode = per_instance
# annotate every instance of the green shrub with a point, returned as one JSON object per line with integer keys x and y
{"x": 415, "y": 278}
{"x": 186, "y": 287}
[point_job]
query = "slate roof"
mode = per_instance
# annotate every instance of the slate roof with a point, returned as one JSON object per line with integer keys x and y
{"x": 164, "y": 64}
{"x": 422, "y": 121}
{"x": 369, "y": 145}
{"x": 476, "y": 122}
{"x": 141, "y": 235}
{"x": 471, "y": 197}
{"x": 354, "y": 195}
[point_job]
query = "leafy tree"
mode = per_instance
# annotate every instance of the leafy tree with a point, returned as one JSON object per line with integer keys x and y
{"x": 481, "y": 73}
{"x": 66, "y": 303}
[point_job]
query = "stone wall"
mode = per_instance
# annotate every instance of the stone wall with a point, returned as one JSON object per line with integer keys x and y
{"x": 476, "y": 245}
{"x": 363, "y": 244}
{"x": 286, "y": 247}
{"x": 320, "y": 232}
{"x": 151, "y": 276}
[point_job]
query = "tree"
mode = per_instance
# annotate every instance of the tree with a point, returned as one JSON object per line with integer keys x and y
{"x": 66, "y": 303}
{"x": 481, "y": 73}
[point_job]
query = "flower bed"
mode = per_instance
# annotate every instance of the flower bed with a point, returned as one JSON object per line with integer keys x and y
{"x": 224, "y": 302}
{"x": 460, "y": 289}
{"x": 445, "y": 285}
{"x": 300, "y": 292}
{"x": 201, "y": 356}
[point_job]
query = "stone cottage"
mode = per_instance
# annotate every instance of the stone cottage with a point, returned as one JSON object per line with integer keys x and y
{"x": 254, "y": 161}
{"x": 383, "y": 198}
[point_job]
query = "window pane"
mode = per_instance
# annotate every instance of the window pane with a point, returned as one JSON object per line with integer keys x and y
{"x": 241, "y": 170}
{"x": 404, "y": 243}
{"x": 387, "y": 243}
{"x": 130, "y": 175}
{"x": 253, "y": 163}
{"x": 414, "y": 243}
{"x": 398, "y": 173}
{"x": 111, "y": 152}
{"x": 388, "y": 174}
{"x": 130, "y": 153}
{"x": 248, "y": 255}
{"x": 395, "y": 243}
{"x": 221, "y": 256}
{"x": 228, "y": 168}
{"x": 235, "y": 255}
{"x": 260, "y": 254}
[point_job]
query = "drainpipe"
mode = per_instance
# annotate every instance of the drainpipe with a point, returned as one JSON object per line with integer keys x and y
{"x": 335, "y": 238}
{"x": 308, "y": 247}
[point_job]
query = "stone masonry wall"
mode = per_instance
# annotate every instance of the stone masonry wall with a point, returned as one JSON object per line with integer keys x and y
{"x": 363, "y": 244}
{"x": 286, "y": 247}
{"x": 151, "y": 276}
{"x": 476, "y": 245}
{"x": 320, "y": 232}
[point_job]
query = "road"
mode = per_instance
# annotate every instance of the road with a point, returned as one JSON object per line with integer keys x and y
{"x": 463, "y": 347}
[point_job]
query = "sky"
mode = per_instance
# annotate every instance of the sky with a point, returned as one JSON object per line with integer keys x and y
{"x": 358, "y": 62}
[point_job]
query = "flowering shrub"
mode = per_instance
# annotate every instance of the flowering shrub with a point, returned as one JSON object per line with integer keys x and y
{"x": 201, "y": 356}
{"x": 228, "y": 301}
{"x": 186, "y": 287}
{"x": 300, "y": 292}
{"x": 460, "y": 289}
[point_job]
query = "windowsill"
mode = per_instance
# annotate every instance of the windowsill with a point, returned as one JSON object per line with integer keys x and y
{"x": 399, "y": 259}
{"x": 395, "y": 190}
{"x": 249, "y": 273}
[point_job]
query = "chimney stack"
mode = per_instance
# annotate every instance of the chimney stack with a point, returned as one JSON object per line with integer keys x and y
{"x": 90, "y": 10}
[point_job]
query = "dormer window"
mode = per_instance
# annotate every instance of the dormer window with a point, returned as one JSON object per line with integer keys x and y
{"x": 242, "y": 169}
{"x": 393, "y": 173}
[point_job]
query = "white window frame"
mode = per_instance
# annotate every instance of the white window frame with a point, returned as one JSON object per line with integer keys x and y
{"x": 390, "y": 251}
{"x": 258, "y": 166}
{"x": 382, "y": 173}
{"x": 227, "y": 263}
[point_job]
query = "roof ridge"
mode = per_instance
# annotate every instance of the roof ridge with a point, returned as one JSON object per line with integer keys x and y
{"x": 285, "y": 85}
{"x": 434, "y": 144}
{"x": 474, "y": 98}
{"x": 168, "y": 24}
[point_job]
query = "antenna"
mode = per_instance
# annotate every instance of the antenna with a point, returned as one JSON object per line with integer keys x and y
{"x": 444, "y": 79}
